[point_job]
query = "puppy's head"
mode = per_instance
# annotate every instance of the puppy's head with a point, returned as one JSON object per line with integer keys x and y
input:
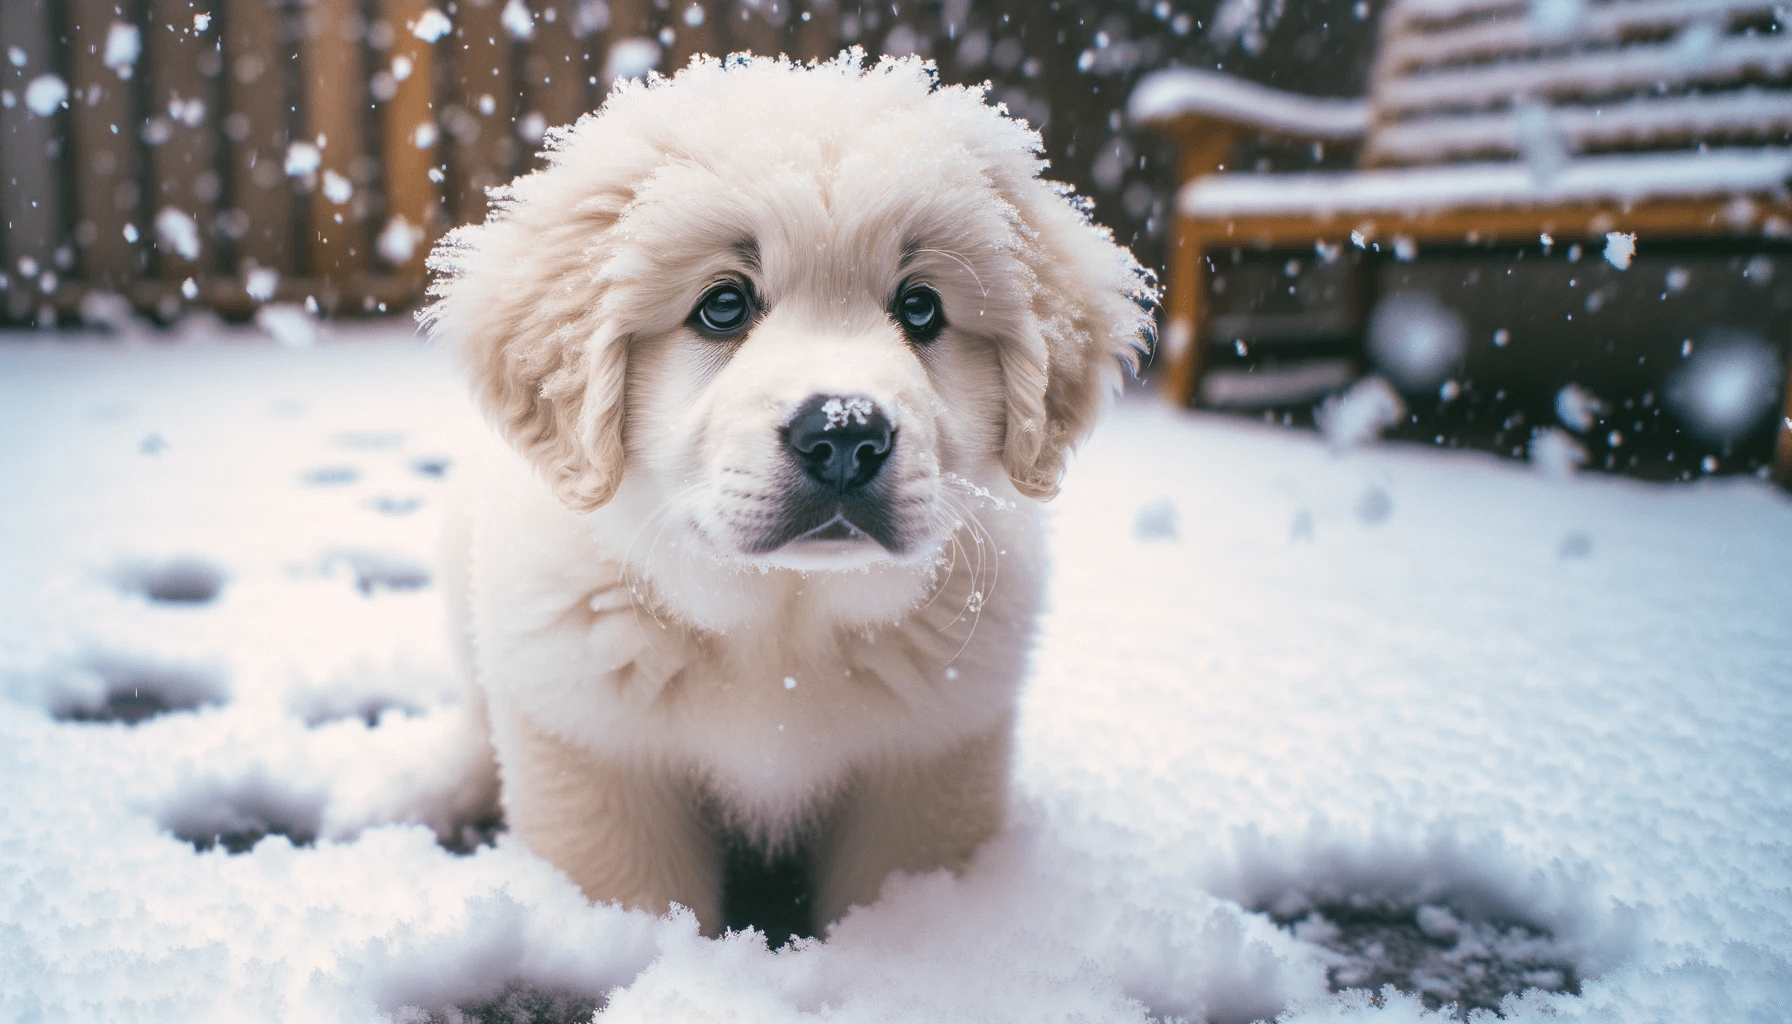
{"x": 792, "y": 309}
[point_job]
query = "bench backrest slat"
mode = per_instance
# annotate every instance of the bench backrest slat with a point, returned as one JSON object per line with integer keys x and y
{"x": 1462, "y": 80}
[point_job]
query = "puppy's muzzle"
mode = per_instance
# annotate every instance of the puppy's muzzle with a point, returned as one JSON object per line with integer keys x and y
{"x": 840, "y": 441}
{"x": 837, "y": 489}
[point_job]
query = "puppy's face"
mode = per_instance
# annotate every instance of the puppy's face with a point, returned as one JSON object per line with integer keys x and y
{"x": 790, "y": 317}
{"x": 815, "y": 375}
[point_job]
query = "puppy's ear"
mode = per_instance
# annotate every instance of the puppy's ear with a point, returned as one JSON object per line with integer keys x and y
{"x": 522, "y": 299}
{"x": 1091, "y": 317}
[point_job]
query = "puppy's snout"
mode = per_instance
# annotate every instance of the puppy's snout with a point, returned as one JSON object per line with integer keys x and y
{"x": 840, "y": 440}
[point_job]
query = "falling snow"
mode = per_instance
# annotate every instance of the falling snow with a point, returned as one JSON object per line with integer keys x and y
{"x": 176, "y": 230}
{"x": 45, "y": 95}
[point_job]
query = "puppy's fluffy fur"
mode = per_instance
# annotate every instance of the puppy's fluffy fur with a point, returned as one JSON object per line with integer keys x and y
{"x": 663, "y": 664}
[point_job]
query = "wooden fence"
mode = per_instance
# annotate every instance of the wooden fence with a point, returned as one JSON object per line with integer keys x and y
{"x": 224, "y": 153}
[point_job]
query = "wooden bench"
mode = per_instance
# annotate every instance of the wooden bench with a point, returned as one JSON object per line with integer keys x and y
{"x": 1489, "y": 122}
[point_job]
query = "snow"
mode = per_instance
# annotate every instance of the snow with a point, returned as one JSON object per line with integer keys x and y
{"x": 337, "y": 189}
{"x": 398, "y": 240}
{"x": 176, "y": 230}
{"x": 1360, "y": 414}
{"x": 1178, "y": 92}
{"x": 1628, "y": 178}
{"x": 1578, "y": 408}
{"x": 1416, "y": 340}
{"x": 1540, "y": 720}
{"x": 1619, "y": 248}
{"x": 124, "y": 44}
{"x": 1555, "y": 19}
{"x": 631, "y": 58}
{"x": 288, "y": 324}
{"x": 302, "y": 158}
{"x": 45, "y": 95}
{"x": 260, "y": 283}
{"x": 1555, "y": 453}
{"x": 1728, "y": 385}
{"x": 1612, "y": 71}
{"x": 431, "y": 25}
{"x": 517, "y": 20}
{"x": 1749, "y": 112}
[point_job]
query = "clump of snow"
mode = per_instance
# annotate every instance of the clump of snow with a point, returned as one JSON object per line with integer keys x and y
{"x": 1360, "y": 414}
{"x": 290, "y": 325}
{"x": 398, "y": 240}
{"x": 190, "y": 112}
{"x": 1416, "y": 340}
{"x": 841, "y": 412}
{"x": 590, "y": 16}
{"x": 338, "y": 189}
{"x": 517, "y": 20}
{"x": 431, "y": 25}
{"x": 1237, "y": 21}
{"x": 1727, "y": 387}
{"x": 302, "y": 158}
{"x": 45, "y": 95}
{"x": 1555, "y": 453}
{"x": 261, "y": 283}
{"x": 1578, "y": 408}
{"x": 631, "y": 58}
{"x": 109, "y": 310}
{"x": 1759, "y": 270}
{"x": 124, "y": 44}
{"x": 176, "y": 230}
{"x": 1619, "y": 248}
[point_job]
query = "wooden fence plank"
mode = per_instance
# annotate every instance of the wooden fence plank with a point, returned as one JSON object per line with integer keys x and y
{"x": 480, "y": 117}
{"x": 30, "y": 161}
{"x": 554, "y": 75}
{"x": 754, "y": 27}
{"x": 258, "y": 125}
{"x": 411, "y": 146}
{"x": 105, "y": 153}
{"x": 335, "y": 106}
{"x": 687, "y": 38}
{"x": 818, "y": 34}
{"x": 182, "y": 132}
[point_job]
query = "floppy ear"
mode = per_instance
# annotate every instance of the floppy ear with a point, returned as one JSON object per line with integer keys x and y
{"x": 522, "y": 299}
{"x": 1091, "y": 316}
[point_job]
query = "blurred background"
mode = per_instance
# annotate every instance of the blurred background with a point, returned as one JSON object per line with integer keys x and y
{"x": 292, "y": 160}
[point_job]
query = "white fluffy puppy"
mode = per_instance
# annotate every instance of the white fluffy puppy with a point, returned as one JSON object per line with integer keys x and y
{"x": 785, "y": 357}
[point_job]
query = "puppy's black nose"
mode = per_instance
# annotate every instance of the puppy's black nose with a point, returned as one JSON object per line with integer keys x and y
{"x": 840, "y": 440}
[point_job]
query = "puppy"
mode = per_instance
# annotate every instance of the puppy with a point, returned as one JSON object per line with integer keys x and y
{"x": 785, "y": 356}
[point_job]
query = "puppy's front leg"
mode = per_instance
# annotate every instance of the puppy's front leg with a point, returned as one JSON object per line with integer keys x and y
{"x": 912, "y": 816}
{"x": 624, "y": 833}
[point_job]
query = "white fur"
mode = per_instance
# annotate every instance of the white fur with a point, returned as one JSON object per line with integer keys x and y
{"x": 651, "y": 683}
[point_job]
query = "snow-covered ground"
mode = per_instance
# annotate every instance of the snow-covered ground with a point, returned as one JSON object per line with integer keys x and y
{"x": 1298, "y": 720}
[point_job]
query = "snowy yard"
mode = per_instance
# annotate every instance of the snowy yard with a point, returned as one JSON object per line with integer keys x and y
{"x": 1299, "y": 721}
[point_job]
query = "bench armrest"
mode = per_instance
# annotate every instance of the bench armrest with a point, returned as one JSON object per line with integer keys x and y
{"x": 1188, "y": 96}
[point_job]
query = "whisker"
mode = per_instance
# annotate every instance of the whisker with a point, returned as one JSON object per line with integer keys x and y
{"x": 961, "y": 261}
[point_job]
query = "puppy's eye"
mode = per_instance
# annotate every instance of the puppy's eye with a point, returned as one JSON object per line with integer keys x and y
{"x": 724, "y": 310}
{"x": 918, "y": 312}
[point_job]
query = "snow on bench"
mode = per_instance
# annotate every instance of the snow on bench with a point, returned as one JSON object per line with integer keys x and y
{"x": 1495, "y": 120}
